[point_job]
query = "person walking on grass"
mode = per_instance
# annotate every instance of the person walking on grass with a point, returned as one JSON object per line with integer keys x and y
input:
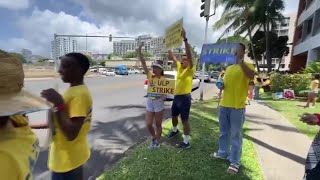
{"x": 182, "y": 100}
{"x": 232, "y": 110}
{"x": 155, "y": 104}
{"x": 313, "y": 93}
{"x": 69, "y": 149}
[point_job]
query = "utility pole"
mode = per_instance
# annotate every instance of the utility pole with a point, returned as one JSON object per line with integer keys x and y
{"x": 205, "y": 13}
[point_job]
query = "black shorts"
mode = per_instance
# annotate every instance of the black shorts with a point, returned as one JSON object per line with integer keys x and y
{"x": 181, "y": 106}
{"x": 75, "y": 174}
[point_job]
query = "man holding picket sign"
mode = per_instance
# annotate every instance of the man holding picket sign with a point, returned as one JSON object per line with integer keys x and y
{"x": 232, "y": 110}
{"x": 182, "y": 100}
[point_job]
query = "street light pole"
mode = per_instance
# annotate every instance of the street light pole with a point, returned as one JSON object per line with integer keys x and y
{"x": 204, "y": 64}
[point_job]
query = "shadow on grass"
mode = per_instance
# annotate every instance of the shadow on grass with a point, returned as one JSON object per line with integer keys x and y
{"x": 108, "y": 142}
{"x": 195, "y": 163}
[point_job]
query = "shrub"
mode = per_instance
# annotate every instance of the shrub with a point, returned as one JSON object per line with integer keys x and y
{"x": 313, "y": 67}
{"x": 296, "y": 82}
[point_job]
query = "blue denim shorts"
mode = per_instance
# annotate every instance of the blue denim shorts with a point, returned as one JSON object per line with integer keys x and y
{"x": 181, "y": 106}
{"x": 154, "y": 105}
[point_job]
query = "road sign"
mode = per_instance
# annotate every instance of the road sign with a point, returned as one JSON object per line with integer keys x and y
{"x": 173, "y": 38}
{"x": 219, "y": 53}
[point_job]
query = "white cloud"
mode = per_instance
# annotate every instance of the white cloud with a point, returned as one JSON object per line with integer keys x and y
{"x": 39, "y": 28}
{"x": 14, "y": 4}
{"x": 121, "y": 17}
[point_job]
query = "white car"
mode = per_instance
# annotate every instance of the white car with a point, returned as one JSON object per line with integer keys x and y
{"x": 173, "y": 75}
{"x": 110, "y": 73}
{"x": 134, "y": 71}
{"x": 207, "y": 78}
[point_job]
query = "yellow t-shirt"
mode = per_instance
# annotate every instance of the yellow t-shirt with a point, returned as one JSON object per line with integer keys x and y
{"x": 235, "y": 90}
{"x": 19, "y": 150}
{"x": 314, "y": 86}
{"x": 67, "y": 155}
{"x": 184, "y": 80}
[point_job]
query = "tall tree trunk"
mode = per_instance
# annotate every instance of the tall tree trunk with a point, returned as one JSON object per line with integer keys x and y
{"x": 268, "y": 55}
{"x": 252, "y": 49}
{"x": 280, "y": 62}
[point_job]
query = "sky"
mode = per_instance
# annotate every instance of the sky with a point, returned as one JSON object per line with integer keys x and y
{"x": 31, "y": 24}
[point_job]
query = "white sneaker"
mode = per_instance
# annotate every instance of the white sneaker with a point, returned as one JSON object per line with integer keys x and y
{"x": 153, "y": 145}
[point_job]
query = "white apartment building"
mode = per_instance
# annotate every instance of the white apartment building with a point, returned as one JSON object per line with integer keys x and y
{"x": 63, "y": 46}
{"x": 307, "y": 35}
{"x": 154, "y": 46}
{"x": 124, "y": 46}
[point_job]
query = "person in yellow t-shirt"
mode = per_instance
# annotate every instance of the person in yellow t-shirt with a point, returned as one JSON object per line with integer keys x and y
{"x": 313, "y": 93}
{"x": 182, "y": 100}
{"x": 19, "y": 146}
{"x": 232, "y": 110}
{"x": 69, "y": 148}
{"x": 155, "y": 102}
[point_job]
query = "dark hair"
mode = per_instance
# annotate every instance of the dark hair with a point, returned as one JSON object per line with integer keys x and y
{"x": 162, "y": 72}
{"x": 243, "y": 46}
{"x": 82, "y": 60}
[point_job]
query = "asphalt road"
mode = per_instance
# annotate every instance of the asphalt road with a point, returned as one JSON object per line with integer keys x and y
{"x": 118, "y": 119}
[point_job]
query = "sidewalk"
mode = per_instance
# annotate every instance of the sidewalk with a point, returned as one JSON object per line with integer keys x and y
{"x": 281, "y": 149}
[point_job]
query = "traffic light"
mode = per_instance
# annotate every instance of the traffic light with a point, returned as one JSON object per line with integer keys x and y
{"x": 205, "y": 7}
{"x": 110, "y": 38}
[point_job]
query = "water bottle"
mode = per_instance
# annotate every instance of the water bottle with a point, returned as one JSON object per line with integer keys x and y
{"x": 219, "y": 83}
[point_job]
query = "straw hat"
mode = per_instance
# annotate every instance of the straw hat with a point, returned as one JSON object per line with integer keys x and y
{"x": 14, "y": 100}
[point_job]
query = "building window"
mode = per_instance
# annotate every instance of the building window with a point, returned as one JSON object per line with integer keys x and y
{"x": 283, "y": 66}
{"x": 309, "y": 26}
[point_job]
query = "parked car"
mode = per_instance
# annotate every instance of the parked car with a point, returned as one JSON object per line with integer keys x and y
{"x": 134, "y": 71}
{"x": 198, "y": 75}
{"x": 173, "y": 75}
{"x": 121, "y": 70}
{"x": 214, "y": 74}
{"x": 104, "y": 72}
{"x": 110, "y": 73}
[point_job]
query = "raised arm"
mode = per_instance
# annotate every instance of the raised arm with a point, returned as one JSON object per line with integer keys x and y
{"x": 142, "y": 60}
{"x": 187, "y": 46}
{"x": 171, "y": 56}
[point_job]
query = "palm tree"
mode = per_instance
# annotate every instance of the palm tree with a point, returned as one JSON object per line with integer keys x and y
{"x": 244, "y": 15}
{"x": 268, "y": 12}
{"x": 236, "y": 17}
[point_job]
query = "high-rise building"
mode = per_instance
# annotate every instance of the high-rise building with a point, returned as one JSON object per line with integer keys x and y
{"x": 27, "y": 54}
{"x": 306, "y": 42}
{"x": 154, "y": 46}
{"x": 157, "y": 46}
{"x": 124, "y": 46}
{"x": 63, "y": 46}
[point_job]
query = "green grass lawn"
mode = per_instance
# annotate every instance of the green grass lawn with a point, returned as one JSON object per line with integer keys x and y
{"x": 194, "y": 163}
{"x": 291, "y": 109}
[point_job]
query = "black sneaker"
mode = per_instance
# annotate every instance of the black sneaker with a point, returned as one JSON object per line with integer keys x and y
{"x": 173, "y": 134}
{"x": 183, "y": 145}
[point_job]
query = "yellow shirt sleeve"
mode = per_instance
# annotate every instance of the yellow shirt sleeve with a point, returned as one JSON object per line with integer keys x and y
{"x": 178, "y": 65}
{"x": 79, "y": 106}
{"x": 8, "y": 168}
{"x": 251, "y": 66}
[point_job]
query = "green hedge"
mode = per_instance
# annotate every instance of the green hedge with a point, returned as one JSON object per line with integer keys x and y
{"x": 296, "y": 82}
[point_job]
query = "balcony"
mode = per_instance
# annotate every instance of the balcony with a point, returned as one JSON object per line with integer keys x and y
{"x": 309, "y": 11}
